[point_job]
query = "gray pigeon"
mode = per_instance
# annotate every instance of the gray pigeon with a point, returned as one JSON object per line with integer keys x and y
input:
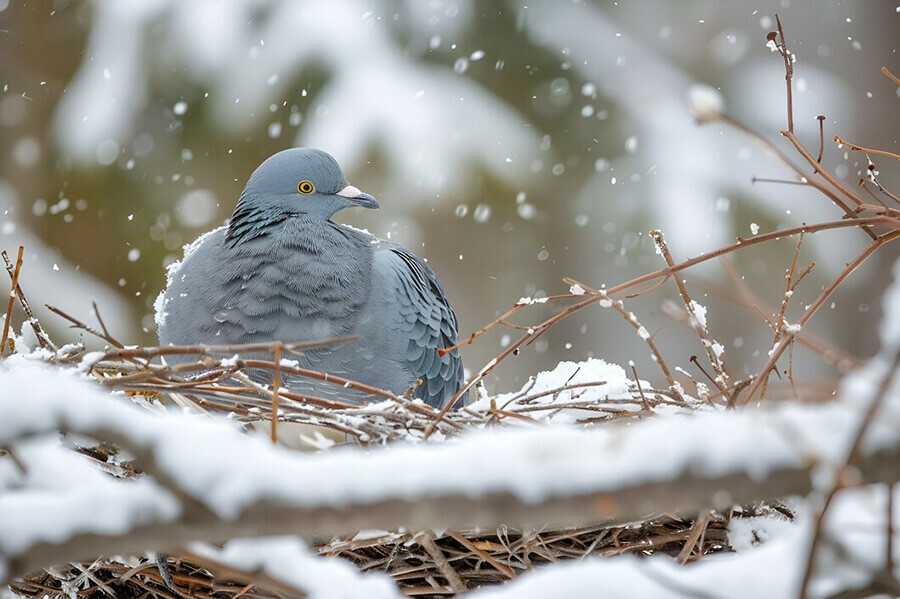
{"x": 282, "y": 270}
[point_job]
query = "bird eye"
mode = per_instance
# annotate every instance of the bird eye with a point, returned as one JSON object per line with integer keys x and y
{"x": 305, "y": 187}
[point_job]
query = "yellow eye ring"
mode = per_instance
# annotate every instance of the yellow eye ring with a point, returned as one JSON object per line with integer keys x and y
{"x": 305, "y": 187}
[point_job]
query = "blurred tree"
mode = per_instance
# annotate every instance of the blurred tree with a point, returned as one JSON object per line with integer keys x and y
{"x": 510, "y": 143}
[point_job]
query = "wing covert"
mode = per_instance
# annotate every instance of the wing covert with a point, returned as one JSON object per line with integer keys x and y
{"x": 428, "y": 321}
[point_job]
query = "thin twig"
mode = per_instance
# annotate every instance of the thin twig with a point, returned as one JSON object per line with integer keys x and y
{"x": 664, "y": 272}
{"x": 785, "y": 299}
{"x": 852, "y": 455}
{"x": 39, "y": 332}
{"x": 747, "y": 300}
{"x": 499, "y": 566}
{"x": 440, "y": 560}
{"x": 103, "y": 326}
{"x": 722, "y": 374}
{"x": 631, "y": 319}
{"x": 890, "y": 75}
{"x": 824, "y": 173}
{"x": 637, "y": 382}
{"x": 694, "y": 537}
{"x": 788, "y": 75}
{"x": 779, "y": 181}
{"x": 12, "y": 298}
{"x": 857, "y": 148}
{"x": 810, "y": 180}
{"x": 826, "y": 293}
{"x": 77, "y": 324}
{"x": 276, "y": 385}
{"x": 821, "y": 119}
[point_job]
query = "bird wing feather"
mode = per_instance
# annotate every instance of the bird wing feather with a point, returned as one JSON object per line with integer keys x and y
{"x": 426, "y": 318}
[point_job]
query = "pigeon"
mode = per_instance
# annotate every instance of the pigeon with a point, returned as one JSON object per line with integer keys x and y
{"x": 283, "y": 270}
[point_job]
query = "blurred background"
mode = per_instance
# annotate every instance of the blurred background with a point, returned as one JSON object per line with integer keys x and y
{"x": 510, "y": 143}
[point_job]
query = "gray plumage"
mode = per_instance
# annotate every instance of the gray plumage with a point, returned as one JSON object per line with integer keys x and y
{"x": 282, "y": 270}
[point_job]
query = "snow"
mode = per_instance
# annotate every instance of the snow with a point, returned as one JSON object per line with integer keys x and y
{"x": 89, "y": 359}
{"x": 477, "y": 128}
{"x": 706, "y": 103}
{"x": 699, "y": 312}
{"x": 615, "y": 385}
{"x": 748, "y": 532}
{"x": 59, "y": 494}
{"x": 529, "y": 301}
{"x": 889, "y": 331}
{"x": 217, "y": 465}
{"x": 718, "y": 349}
{"x": 229, "y": 362}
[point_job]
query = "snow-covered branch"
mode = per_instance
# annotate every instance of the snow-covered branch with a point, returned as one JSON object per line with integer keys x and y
{"x": 209, "y": 482}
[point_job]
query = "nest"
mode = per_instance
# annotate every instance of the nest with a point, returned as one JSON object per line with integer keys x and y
{"x": 422, "y": 564}
{"x": 425, "y": 566}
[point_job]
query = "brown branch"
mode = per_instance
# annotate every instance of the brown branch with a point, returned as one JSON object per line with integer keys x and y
{"x": 852, "y": 456}
{"x": 632, "y": 320}
{"x": 103, "y": 326}
{"x": 857, "y": 148}
{"x": 821, "y": 119}
{"x": 637, "y": 381}
{"x": 42, "y": 336}
{"x": 694, "y": 538}
{"x": 529, "y": 398}
{"x": 824, "y": 173}
{"x": 483, "y": 330}
{"x": 12, "y": 298}
{"x": 722, "y": 374}
{"x": 748, "y": 301}
{"x": 77, "y": 324}
{"x": 779, "y": 181}
{"x": 426, "y": 540}
{"x": 261, "y": 579}
{"x": 826, "y": 293}
{"x": 497, "y": 564}
{"x": 212, "y": 350}
{"x": 664, "y": 272}
{"x": 890, "y": 75}
{"x": 788, "y": 291}
{"x": 839, "y": 224}
{"x": 809, "y": 179}
{"x": 788, "y": 75}
{"x": 685, "y": 492}
{"x": 871, "y": 173}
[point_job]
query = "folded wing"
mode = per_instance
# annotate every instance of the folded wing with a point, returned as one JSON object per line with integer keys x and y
{"x": 425, "y": 319}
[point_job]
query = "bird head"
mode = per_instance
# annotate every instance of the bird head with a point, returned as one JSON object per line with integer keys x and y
{"x": 296, "y": 182}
